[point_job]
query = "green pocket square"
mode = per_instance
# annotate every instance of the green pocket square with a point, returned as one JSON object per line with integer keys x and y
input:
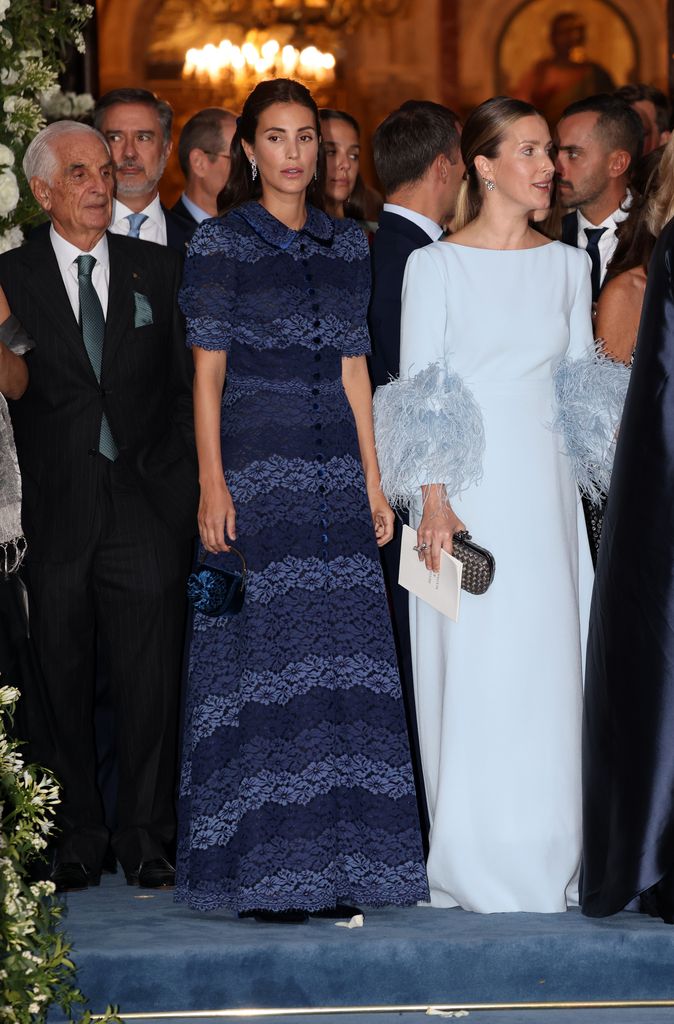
{"x": 142, "y": 313}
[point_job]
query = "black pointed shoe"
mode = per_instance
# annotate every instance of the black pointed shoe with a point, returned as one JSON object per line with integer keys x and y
{"x": 72, "y": 876}
{"x": 153, "y": 874}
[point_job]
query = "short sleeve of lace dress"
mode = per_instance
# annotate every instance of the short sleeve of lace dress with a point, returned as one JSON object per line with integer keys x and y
{"x": 208, "y": 292}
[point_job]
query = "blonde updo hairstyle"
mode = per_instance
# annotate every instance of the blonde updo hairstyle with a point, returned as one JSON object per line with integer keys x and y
{"x": 482, "y": 135}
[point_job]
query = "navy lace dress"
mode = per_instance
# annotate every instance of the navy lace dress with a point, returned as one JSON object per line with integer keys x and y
{"x": 296, "y": 788}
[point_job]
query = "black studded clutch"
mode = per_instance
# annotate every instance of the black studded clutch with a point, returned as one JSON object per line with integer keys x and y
{"x": 479, "y": 565}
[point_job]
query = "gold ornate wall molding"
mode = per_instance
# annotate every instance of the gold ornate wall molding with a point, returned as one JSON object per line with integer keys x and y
{"x": 478, "y": 50}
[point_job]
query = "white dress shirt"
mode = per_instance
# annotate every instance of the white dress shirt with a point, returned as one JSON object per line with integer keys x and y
{"x": 433, "y": 230}
{"x": 609, "y": 240}
{"x": 151, "y": 230}
{"x": 66, "y": 257}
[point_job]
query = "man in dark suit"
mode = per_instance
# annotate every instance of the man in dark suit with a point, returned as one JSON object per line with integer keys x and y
{"x": 203, "y": 153}
{"x": 103, "y": 435}
{"x": 418, "y": 162}
{"x": 598, "y": 141}
{"x": 138, "y": 128}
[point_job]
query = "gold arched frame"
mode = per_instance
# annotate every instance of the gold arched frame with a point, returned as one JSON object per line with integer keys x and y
{"x": 524, "y": 39}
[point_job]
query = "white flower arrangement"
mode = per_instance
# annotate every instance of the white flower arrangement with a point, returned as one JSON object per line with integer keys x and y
{"x": 32, "y": 47}
{"x": 9, "y": 192}
{"x": 36, "y": 969}
{"x": 56, "y": 104}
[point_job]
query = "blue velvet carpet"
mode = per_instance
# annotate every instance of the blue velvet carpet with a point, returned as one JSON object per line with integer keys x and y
{"x": 141, "y": 951}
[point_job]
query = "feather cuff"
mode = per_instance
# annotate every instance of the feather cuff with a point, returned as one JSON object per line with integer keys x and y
{"x": 590, "y": 397}
{"x": 428, "y": 429}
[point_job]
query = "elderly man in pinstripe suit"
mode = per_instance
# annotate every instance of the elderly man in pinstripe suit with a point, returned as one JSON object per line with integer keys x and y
{"x": 103, "y": 435}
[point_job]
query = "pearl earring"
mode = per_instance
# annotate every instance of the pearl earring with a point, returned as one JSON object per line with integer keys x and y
{"x": 253, "y": 168}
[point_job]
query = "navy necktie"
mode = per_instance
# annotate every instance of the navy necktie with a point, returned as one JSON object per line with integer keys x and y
{"x": 593, "y": 236}
{"x": 92, "y": 325}
{"x": 135, "y": 220}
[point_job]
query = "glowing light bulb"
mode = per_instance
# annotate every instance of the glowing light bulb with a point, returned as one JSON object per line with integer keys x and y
{"x": 270, "y": 49}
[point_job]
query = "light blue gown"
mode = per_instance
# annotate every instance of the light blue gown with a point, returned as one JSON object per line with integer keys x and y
{"x": 499, "y": 693}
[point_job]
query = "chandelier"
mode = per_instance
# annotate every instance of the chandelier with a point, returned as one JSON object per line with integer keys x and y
{"x": 255, "y": 60}
{"x": 273, "y": 38}
{"x": 265, "y": 13}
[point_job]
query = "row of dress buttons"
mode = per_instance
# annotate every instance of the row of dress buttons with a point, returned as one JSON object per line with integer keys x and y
{"x": 308, "y": 277}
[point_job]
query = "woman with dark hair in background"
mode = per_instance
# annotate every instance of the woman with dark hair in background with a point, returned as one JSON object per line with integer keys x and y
{"x": 345, "y": 190}
{"x": 618, "y": 309}
{"x": 622, "y": 296}
{"x": 495, "y": 323}
{"x": 297, "y": 792}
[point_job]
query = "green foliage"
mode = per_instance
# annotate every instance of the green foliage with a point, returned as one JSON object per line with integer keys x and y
{"x": 34, "y": 35}
{"x": 35, "y": 965}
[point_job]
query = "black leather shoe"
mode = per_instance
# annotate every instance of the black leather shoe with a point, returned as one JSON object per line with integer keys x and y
{"x": 153, "y": 874}
{"x": 338, "y": 912}
{"x": 277, "y": 916}
{"x": 73, "y": 877}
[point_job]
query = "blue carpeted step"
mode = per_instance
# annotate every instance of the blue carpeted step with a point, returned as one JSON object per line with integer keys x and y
{"x": 146, "y": 954}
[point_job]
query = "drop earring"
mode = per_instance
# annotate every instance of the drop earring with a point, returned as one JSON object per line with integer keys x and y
{"x": 490, "y": 186}
{"x": 253, "y": 168}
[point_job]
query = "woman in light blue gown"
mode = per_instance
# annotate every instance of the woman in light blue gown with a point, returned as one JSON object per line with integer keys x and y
{"x": 496, "y": 351}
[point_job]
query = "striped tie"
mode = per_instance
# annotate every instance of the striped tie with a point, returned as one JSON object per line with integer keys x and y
{"x": 135, "y": 220}
{"x": 92, "y": 324}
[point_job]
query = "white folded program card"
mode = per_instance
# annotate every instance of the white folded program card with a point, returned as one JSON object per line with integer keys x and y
{"x": 441, "y": 589}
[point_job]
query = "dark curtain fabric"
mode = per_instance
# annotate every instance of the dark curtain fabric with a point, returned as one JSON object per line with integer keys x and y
{"x": 628, "y": 736}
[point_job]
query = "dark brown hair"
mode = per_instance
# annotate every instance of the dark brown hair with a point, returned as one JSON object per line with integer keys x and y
{"x": 639, "y": 92}
{"x": 636, "y": 234}
{"x": 407, "y": 142}
{"x": 240, "y": 187}
{"x": 355, "y": 205}
{"x": 618, "y": 125}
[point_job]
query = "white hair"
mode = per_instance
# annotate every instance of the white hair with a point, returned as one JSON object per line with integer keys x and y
{"x": 40, "y": 160}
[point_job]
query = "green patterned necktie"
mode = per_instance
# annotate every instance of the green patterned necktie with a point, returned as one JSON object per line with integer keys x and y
{"x": 92, "y": 324}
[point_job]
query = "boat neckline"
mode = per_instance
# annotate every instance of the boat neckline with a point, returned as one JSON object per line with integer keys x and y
{"x": 479, "y": 248}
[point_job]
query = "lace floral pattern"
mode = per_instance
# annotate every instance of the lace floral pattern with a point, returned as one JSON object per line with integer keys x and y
{"x": 296, "y": 788}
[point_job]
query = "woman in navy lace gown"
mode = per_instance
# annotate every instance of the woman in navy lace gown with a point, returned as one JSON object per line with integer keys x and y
{"x": 296, "y": 793}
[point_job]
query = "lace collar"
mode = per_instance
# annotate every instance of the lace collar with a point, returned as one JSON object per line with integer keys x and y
{"x": 318, "y": 225}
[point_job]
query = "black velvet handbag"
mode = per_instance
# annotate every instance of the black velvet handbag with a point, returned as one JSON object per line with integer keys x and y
{"x": 479, "y": 565}
{"x": 214, "y": 590}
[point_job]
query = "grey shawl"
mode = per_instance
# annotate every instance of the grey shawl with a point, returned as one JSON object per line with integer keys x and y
{"x": 12, "y": 541}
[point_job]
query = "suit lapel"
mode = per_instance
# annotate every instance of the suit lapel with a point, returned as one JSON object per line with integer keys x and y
{"x": 125, "y": 278}
{"x": 44, "y": 283}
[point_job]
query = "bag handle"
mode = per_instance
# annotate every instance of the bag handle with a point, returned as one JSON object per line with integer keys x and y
{"x": 236, "y": 551}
